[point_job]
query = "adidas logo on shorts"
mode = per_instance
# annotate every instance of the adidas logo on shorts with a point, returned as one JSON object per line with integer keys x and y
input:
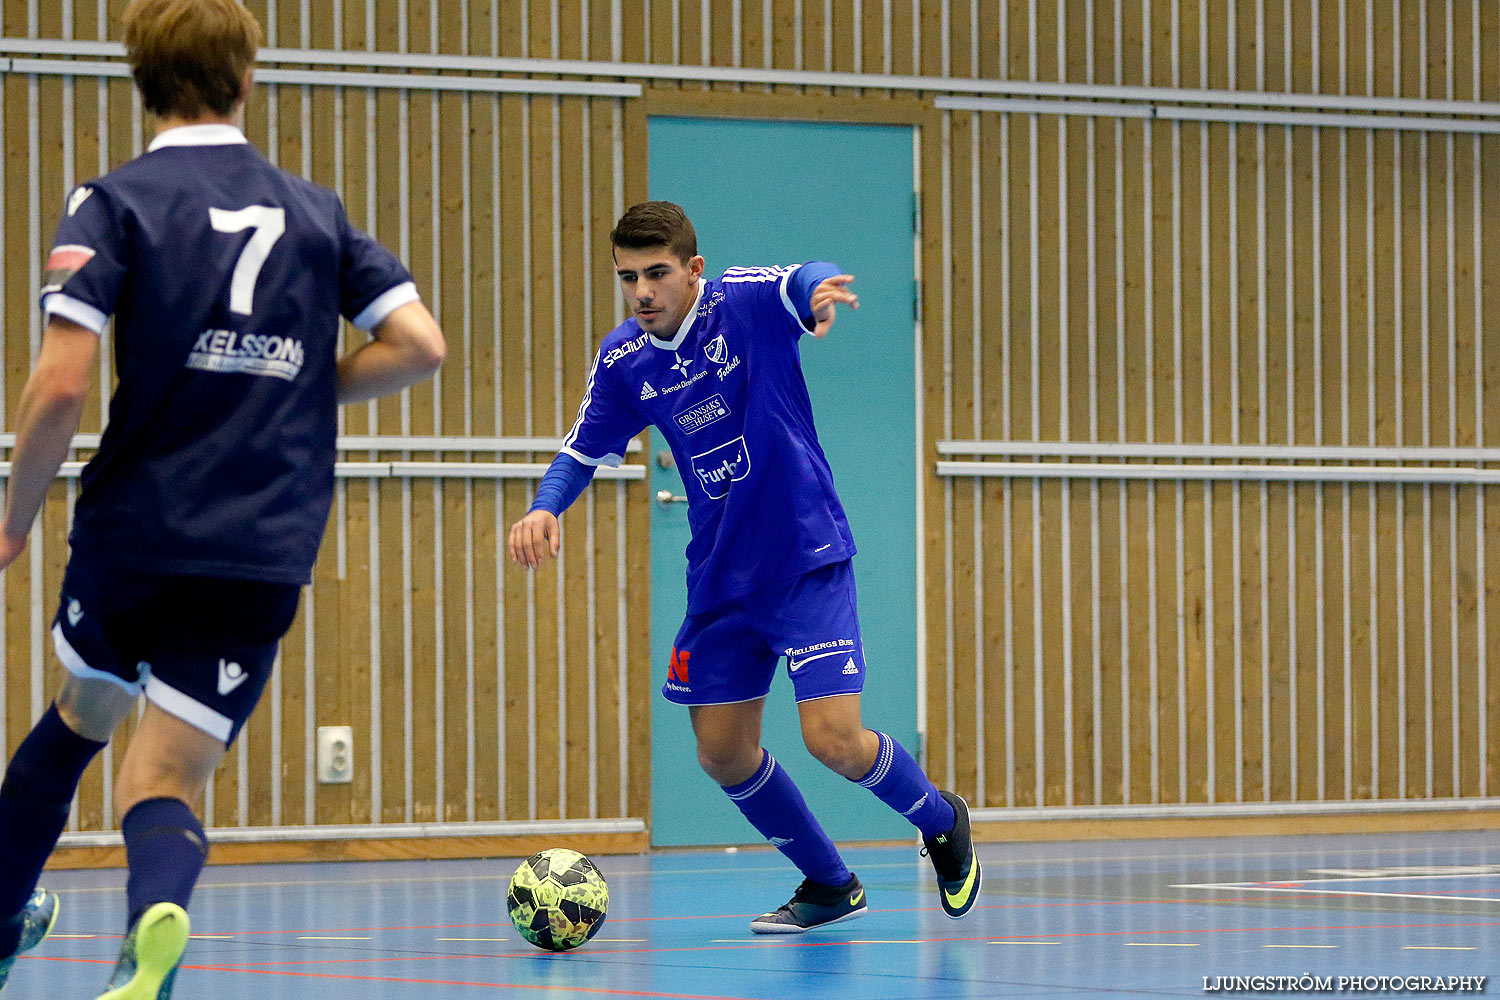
{"x": 850, "y": 668}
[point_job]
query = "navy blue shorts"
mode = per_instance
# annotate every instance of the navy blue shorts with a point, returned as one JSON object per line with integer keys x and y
{"x": 200, "y": 648}
{"x": 729, "y": 653}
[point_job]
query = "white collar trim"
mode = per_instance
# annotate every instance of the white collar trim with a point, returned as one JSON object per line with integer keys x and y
{"x": 198, "y": 135}
{"x": 687, "y": 323}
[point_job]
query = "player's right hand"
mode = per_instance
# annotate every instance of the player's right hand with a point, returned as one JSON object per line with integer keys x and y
{"x": 535, "y": 538}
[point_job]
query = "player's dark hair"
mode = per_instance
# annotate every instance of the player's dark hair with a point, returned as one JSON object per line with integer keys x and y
{"x": 656, "y": 224}
{"x": 189, "y": 57}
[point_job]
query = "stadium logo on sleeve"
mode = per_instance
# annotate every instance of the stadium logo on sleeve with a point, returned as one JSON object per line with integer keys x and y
{"x": 717, "y": 468}
{"x": 627, "y": 348}
{"x": 700, "y": 415}
{"x": 62, "y": 263}
{"x": 716, "y": 350}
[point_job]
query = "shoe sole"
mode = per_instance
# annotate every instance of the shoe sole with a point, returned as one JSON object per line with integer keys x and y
{"x": 56, "y": 909}
{"x": 760, "y": 928}
{"x": 160, "y": 939}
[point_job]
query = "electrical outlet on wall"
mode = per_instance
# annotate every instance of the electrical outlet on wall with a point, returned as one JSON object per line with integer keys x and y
{"x": 335, "y": 755}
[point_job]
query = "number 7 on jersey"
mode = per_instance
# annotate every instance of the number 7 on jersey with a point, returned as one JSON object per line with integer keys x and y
{"x": 269, "y": 224}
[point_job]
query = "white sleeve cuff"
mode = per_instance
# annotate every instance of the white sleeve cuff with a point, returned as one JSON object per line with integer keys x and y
{"x": 786, "y": 299}
{"x": 612, "y": 460}
{"x": 385, "y": 304}
{"x": 80, "y": 312}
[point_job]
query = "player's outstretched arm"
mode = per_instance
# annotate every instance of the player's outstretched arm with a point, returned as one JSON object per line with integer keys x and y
{"x": 51, "y": 406}
{"x": 408, "y": 346}
{"x": 826, "y": 296}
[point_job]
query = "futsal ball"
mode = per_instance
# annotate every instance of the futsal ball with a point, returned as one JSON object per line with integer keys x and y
{"x": 557, "y": 899}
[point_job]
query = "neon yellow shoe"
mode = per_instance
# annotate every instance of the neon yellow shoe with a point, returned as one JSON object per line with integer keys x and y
{"x": 954, "y": 859}
{"x": 149, "y": 956}
{"x": 37, "y": 918}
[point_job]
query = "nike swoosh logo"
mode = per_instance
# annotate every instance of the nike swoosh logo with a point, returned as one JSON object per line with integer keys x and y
{"x": 857, "y": 898}
{"x": 796, "y": 665}
{"x": 957, "y": 898}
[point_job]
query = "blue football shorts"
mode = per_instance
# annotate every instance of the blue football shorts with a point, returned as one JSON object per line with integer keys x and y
{"x": 200, "y": 648}
{"x": 729, "y": 653}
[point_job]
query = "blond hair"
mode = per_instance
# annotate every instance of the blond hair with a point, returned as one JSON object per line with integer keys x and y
{"x": 190, "y": 57}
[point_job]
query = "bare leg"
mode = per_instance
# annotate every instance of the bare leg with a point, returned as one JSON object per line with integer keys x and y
{"x": 834, "y": 734}
{"x": 728, "y": 739}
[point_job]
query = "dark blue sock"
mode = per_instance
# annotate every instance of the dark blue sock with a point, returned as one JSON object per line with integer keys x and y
{"x": 34, "y": 799}
{"x": 897, "y": 781}
{"x": 166, "y": 849}
{"x": 774, "y": 806}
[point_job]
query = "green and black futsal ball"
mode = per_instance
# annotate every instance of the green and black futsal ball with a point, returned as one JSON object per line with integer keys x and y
{"x": 557, "y": 899}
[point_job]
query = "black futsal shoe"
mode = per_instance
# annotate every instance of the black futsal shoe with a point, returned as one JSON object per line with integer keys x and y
{"x": 955, "y": 861}
{"x": 814, "y": 905}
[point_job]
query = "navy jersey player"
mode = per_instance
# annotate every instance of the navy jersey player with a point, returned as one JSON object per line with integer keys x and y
{"x": 715, "y": 366}
{"x": 201, "y": 514}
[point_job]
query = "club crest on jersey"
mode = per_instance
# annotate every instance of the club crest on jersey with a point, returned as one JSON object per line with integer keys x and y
{"x": 716, "y": 468}
{"x": 716, "y": 350}
{"x": 62, "y": 263}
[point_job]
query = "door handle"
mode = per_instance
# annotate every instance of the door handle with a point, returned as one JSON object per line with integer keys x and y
{"x": 665, "y": 497}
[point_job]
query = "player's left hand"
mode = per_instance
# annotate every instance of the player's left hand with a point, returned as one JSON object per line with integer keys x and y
{"x": 829, "y": 292}
{"x": 10, "y": 549}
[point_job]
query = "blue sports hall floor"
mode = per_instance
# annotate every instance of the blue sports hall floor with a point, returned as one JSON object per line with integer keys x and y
{"x": 1137, "y": 918}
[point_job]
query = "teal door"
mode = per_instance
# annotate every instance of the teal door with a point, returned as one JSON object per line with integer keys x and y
{"x": 780, "y": 193}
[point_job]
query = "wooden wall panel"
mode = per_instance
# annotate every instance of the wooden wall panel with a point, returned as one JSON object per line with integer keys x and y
{"x": 1280, "y": 286}
{"x": 1083, "y": 279}
{"x": 451, "y": 666}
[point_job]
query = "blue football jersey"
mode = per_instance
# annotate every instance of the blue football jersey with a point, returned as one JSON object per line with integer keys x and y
{"x": 727, "y": 394}
{"x": 226, "y": 277}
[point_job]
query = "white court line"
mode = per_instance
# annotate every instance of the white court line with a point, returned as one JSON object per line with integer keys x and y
{"x": 1299, "y": 946}
{"x": 1439, "y": 947}
{"x": 1159, "y": 944}
{"x": 1306, "y": 886}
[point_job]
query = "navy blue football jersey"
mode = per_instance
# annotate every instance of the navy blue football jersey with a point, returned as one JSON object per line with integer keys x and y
{"x": 727, "y": 394}
{"x": 226, "y": 277}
